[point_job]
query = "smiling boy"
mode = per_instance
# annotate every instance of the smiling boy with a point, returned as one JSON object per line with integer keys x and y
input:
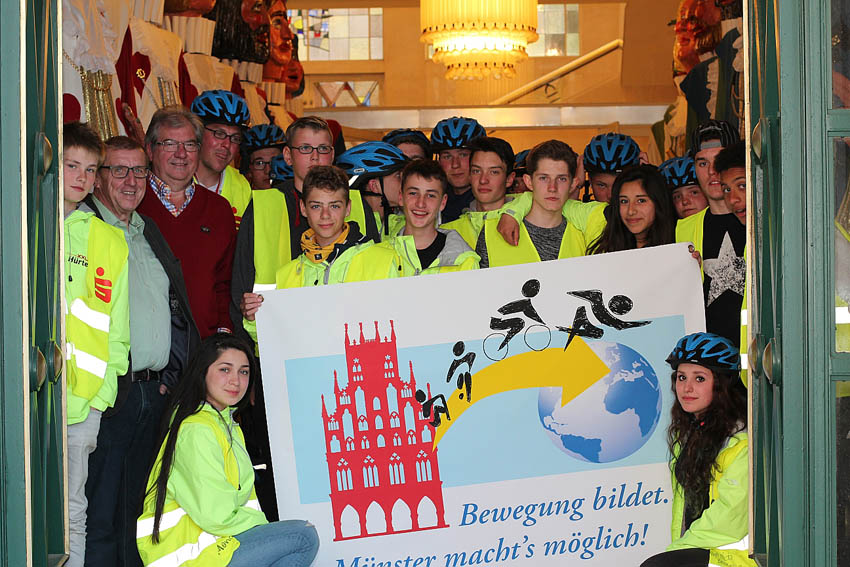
{"x": 422, "y": 247}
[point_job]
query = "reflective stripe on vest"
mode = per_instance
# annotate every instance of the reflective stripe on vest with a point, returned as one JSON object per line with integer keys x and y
{"x": 742, "y": 544}
{"x": 144, "y": 528}
{"x": 272, "y": 248}
{"x": 500, "y": 253}
{"x": 87, "y": 319}
{"x": 185, "y": 553}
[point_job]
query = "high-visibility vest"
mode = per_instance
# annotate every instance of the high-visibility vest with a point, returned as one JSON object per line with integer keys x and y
{"x": 362, "y": 262}
{"x": 88, "y": 318}
{"x": 468, "y": 225}
{"x": 500, "y": 253}
{"x": 272, "y": 248}
{"x": 181, "y": 541}
{"x": 237, "y": 190}
{"x": 721, "y": 522}
{"x": 455, "y": 256}
{"x": 691, "y": 229}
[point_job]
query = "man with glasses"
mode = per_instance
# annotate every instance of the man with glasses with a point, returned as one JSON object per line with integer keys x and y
{"x": 198, "y": 225}
{"x": 270, "y": 234}
{"x": 162, "y": 334}
{"x": 261, "y": 144}
{"x": 225, "y": 116}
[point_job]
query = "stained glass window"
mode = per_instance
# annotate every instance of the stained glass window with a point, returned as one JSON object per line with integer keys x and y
{"x": 339, "y": 34}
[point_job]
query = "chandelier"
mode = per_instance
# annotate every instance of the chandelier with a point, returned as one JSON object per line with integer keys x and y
{"x": 479, "y": 38}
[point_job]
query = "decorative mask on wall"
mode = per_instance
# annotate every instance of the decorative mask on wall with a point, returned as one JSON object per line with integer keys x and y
{"x": 241, "y": 31}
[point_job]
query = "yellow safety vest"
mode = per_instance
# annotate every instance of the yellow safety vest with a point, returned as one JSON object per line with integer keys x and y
{"x": 88, "y": 318}
{"x": 468, "y": 226}
{"x": 272, "y": 248}
{"x": 500, "y": 253}
{"x": 360, "y": 263}
{"x": 237, "y": 190}
{"x": 734, "y": 554}
{"x": 181, "y": 541}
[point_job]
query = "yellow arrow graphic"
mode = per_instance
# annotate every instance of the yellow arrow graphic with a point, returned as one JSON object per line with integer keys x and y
{"x": 574, "y": 371}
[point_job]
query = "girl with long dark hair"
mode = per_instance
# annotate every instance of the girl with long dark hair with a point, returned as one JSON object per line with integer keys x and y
{"x": 708, "y": 444}
{"x": 200, "y": 506}
{"x": 640, "y": 212}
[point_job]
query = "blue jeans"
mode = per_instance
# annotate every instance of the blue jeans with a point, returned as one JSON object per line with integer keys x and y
{"x": 288, "y": 543}
{"x": 118, "y": 471}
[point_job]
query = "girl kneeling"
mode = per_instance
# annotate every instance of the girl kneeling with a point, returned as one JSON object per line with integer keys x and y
{"x": 200, "y": 507}
{"x": 708, "y": 443}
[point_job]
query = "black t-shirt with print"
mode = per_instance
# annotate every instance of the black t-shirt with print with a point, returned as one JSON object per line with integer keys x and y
{"x": 723, "y": 242}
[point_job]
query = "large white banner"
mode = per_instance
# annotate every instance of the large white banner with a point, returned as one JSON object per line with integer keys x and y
{"x": 546, "y": 400}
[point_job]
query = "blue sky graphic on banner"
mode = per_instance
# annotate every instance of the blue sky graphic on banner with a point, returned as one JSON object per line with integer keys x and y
{"x": 529, "y": 451}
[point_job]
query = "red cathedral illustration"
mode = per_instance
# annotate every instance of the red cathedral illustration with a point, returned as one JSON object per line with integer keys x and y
{"x": 378, "y": 446}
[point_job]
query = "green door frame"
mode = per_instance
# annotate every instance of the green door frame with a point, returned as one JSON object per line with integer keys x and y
{"x": 793, "y": 291}
{"x": 14, "y": 362}
{"x": 33, "y": 524}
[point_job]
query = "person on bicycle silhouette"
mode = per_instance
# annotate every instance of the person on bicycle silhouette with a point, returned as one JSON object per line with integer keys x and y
{"x": 514, "y": 325}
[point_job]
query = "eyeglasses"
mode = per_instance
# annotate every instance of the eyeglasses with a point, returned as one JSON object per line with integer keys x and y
{"x": 121, "y": 171}
{"x": 170, "y": 146}
{"x": 221, "y": 134}
{"x": 260, "y": 164}
{"x": 307, "y": 149}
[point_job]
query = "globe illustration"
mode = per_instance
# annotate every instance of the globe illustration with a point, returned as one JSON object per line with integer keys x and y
{"x": 614, "y": 417}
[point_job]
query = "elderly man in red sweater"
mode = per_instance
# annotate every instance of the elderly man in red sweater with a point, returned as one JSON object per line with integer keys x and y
{"x": 198, "y": 225}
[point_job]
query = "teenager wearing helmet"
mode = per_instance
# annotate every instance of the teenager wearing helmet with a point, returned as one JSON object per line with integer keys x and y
{"x": 422, "y": 247}
{"x": 681, "y": 177}
{"x": 604, "y": 157}
{"x": 544, "y": 234}
{"x": 374, "y": 170}
{"x": 225, "y": 116}
{"x": 490, "y": 175}
{"x": 413, "y": 143}
{"x": 262, "y": 143}
{"x": 273, "y": 223}
{"x": 708, "y": 442}
{"x": 450, "y": 140}
{"x": 717, "y": 234}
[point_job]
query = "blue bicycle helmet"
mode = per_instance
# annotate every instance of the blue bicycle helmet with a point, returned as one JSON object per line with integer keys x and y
{"x": 679, "y": 172}
{"x": 221, "y": 107}
{"x": 371, "y": 159}
{"x": 519, "y": 161}
{"x": 401, "y": 135}
{"x": 610, "y": 153}
{"x": 455, "y": 132}
{"x": 263, "y": 136}
{"x": 279, "y": 170}
{"x": 706, "y": 349}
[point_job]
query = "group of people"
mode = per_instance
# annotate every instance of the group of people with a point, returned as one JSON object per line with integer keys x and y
{"x": 169, "y": 248}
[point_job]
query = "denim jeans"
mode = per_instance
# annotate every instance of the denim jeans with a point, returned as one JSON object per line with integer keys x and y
{"x": 118, "y": 474}
{"x": 288, "y": 543}
{"x": 82, "y": 441}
